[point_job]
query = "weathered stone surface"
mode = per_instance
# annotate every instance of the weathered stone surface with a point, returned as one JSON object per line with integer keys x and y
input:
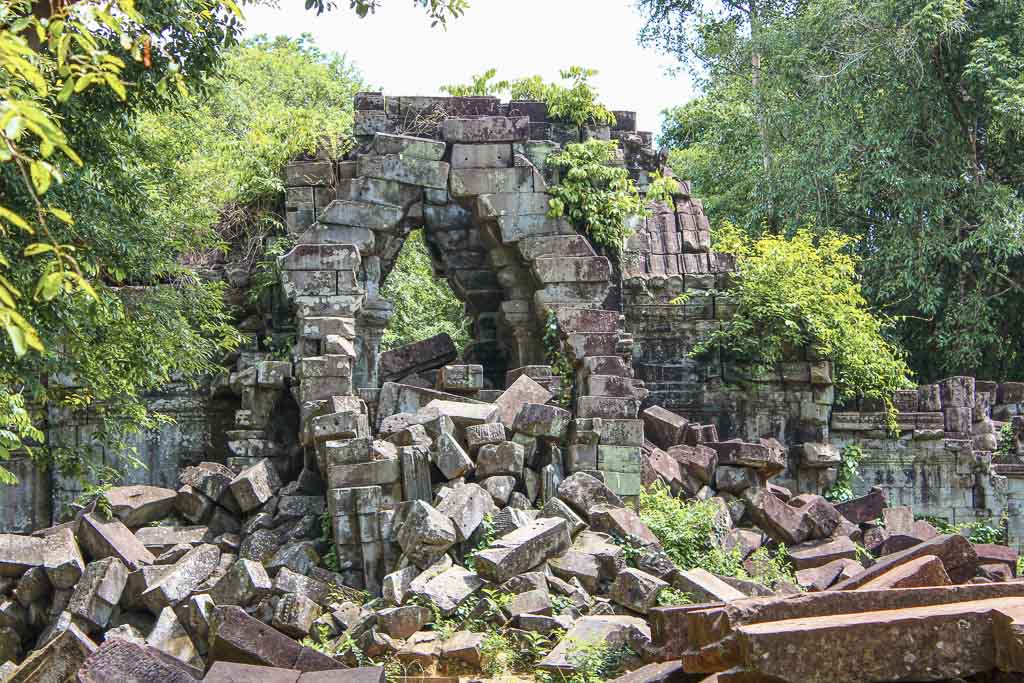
{"x": 294, "y": 615}
{"x": 238, "y": 637}
{"x": 703, "y": 586}
{"x": 232, "y": 672}
{"x": 246, "y": 583}
{"x": 61, "y": 559}
{"x": 758, "y": 456}
{"x": 425, "y": 534}
{"x": 300, "y": 557}
{"x": 535, "y": 419}
{"x": 583, "y": 492}
{"x": 817, "y": 553}
{"x": 736, "y": 480}
{"x": 555, "y": 507}
{"x": 486, "y": 129}
{"x": 403, "y": 169}
{"x": 255, "y": 485}
{"x": 488, "y": 433}
{"x": 466, "y": 507}
{"x": 699, "y": 462}
{"x": 463, "y": 414}
{"x": 523, "y": 549}
{"x": 56, "y": 661}
{"x": 506, "y": 458}
{"x": 98, "y": 591}
{"x": 451, "y": 459}
{"x": 583, "y": 567}
{"x": 613, "y": 630}
{"x": 448, "y": 588}
{"x": 957, "y": 554}
{"x": 19, "y": 553}
{"x": 407, "y": 145}
{"x": 663, "y": 427}
{"x": 520, "y": 393}
{"x": 428, "y": 354}
{"x": 288, "y": 581}
{"x": 926, "y": 570}
{"x": 182, "y": 578}
{"x": 170, "y": 637}
{"x": 157, "y": 539}
{"x": 780, "y": 521}
{"x": 500, "y": 488}
{"x": 821, "y": 577}
{"x": 102, "y": 538}
{"x": 139, "y": 505}
{"x": 623, "y": 523}
{"x": 402, "y": 622}
{"x": 121, "y": 660}
{"x": 464, "y": 647}
{"x": 637, "y": 590}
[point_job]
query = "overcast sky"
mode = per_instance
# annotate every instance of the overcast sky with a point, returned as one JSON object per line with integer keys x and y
{"x": 397, "y": 50}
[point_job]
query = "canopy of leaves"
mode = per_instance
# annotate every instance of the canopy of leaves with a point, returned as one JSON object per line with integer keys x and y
{"x": 898, "y": 122}
{"x": 803, "y": 292}
{"x": 424, "y": 303}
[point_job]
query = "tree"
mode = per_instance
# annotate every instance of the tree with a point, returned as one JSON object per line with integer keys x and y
{"x": 96, "y": 227}
{"x": 424, "y": 303}
{"x": 897, "y": 123}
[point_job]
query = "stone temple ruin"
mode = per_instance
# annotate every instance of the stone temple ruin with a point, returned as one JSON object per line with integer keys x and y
{"x": 341, "y": 491}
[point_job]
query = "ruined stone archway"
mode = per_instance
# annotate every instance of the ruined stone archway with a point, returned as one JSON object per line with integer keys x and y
{"x": 474, "y": 181}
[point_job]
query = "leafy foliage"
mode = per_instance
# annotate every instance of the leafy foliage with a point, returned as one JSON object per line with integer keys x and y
{"x": 978, "y": 531}
{"x": 438, "y": 11}
{"x": 594, "y": 195}
{"x": 424, "y": 303}
{"x": 805, "y": 292}
{"x": 593, "y": 661}
{"x": 559, "y": 357}
{"x": 670, "y": 596}
{"x": 914, "y": 109}
{"x": 575, "y": 102}
{"x": 689, "y": 532}
{"x": 848, "y": 471}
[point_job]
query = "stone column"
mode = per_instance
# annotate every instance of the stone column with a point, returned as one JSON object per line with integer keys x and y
{"x": 373, "y": 320}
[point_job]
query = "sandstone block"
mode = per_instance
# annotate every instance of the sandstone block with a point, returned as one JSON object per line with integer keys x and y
{"x": 98, "y": 592}
{"x": 523, "y": 549}
{"x": 111, "y": 538}
{"x": 139, "y": 505}
{"x": 255, "y": 485}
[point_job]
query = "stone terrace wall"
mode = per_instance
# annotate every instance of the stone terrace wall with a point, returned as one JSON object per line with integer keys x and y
{"x": 942, "y": 463}
{"x": 669, "y": 257}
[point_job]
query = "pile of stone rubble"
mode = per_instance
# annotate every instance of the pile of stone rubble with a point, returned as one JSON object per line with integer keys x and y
{"x": 483, "y": 530}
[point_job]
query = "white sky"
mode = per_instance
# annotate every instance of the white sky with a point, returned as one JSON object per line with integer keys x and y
{"x": 397, "y": 50}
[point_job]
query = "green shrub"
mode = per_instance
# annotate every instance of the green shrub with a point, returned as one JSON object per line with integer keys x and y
{"x": 801, "y": 292}
{"x": 689, "y": 532}
{"x": 772, "y": 569}
{"x": 575, "y": 102}
{"x": 594, "y": 195}
{"x": 849, "y": 463}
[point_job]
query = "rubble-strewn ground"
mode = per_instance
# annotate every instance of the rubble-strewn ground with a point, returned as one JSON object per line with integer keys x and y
{"x": 508, "y": 571}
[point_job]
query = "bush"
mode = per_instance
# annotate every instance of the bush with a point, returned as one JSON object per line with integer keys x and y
{"x": 798, "y": 292}
{"x": 574, "y": 103}
{"x": 592, "y": 194}
{"x": 689, "y": 532}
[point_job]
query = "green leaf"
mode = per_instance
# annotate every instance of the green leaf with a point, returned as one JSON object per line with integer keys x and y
{"x": 15, "y": 219}
{"x": 41, "y": 176}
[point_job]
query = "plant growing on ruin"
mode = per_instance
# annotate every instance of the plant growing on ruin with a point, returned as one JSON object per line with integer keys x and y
{"x": 847, "y": 472}
{"x": 593, "y": 194}
{"x": 670, "y": 596}
{"x": 804, "y": 292}
{"x": 593, "y": 661}
{"x": 560, "y": 360}
{"x": 771, "y": 569}
{"x": 689, "y": 532}
{"x": 573, "y": 101}
{"x": 663, "y": 188}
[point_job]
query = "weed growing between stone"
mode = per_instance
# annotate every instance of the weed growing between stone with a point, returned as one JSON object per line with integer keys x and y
{"x": 693, "y": 537}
